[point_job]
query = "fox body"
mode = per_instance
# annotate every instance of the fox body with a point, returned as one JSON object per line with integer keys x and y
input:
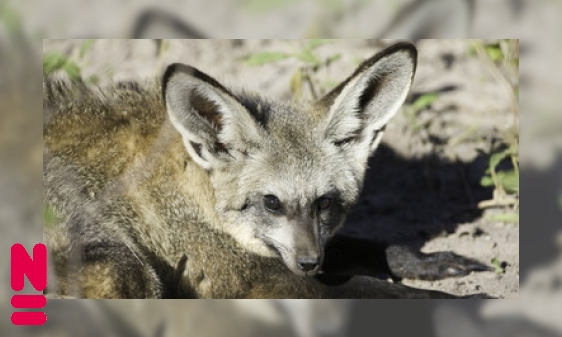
{"x": 187, "y": 189}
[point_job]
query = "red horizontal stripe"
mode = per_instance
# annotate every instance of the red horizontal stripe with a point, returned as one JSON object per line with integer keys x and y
{"x": 29, "y": 318}
{"x": 28, "y": 301}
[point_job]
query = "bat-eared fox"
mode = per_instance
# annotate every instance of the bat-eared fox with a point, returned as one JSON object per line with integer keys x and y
{"x": 187, "y": 189}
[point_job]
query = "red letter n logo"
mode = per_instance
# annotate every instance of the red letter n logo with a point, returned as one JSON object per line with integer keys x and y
{"x": 36, "y": 271}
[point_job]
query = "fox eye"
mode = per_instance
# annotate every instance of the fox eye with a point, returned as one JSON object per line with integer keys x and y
{"x": 323, "y": 203}
{"x": 271, "y": 202}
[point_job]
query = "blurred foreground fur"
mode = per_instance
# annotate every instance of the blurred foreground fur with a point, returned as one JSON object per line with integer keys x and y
{"x": 191, "y": 190}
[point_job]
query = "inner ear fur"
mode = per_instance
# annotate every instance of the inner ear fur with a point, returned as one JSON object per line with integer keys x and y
{"x": 363, "y": 104}
{"x": 214, "y": 125}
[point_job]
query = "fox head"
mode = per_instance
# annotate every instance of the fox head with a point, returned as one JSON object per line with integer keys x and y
{"x": 285, "y": 174}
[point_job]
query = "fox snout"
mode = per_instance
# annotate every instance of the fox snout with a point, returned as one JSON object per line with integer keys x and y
{"x": 305, "y": 264}
{"x": 299, "y": 246}
{"x": 308, "y": 252}
{"x": 308, "y": 264}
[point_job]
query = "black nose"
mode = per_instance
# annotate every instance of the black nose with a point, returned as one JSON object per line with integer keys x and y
{"x": 307, "y": 264}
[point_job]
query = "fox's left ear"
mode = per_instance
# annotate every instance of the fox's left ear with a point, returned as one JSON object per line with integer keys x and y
{"x": 361, "y": 106}
{"x": 216, "y": 128}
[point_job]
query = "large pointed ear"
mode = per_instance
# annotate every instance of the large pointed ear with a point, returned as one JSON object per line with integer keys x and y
{"x": 215, "y": 126}
{"x": 361, "y": 106}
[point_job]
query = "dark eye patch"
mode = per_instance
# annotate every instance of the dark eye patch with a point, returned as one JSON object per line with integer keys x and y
{"x": 271, "y": 203}
{"x": 323, "y": 203}
{"x": 345, "y": 141}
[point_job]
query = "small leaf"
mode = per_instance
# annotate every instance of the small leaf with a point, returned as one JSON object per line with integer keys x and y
{"x": 509, "y": 180}
{"x": 86, "y": 45}
{"x": 487, "y": 181}
{"x": 296, "y": 84}
{"x": 504, "y": 217}
{"x": 164, "y": 47}
{"x": 496, "y": 158}
{"x": 72, "y": 69}
{"x": 494, "y": 52}
{"x": 315, "y": 43}
{"x": 261, "y": 6}
{"x": 330, "y": 84}
{"x": 333, "y": 58}
{"x": 265, "y": 57}
{"x": 53, "y": 62}
{"x": 307, "y": 56}
{"x": 93, "y": 79}
{"x": 424, "y": 101}
{"x": 498, "y": 265}
{"x": 49, "y": 217}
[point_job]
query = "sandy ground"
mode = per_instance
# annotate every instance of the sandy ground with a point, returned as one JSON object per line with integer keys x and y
{"x": 423, "y": 184}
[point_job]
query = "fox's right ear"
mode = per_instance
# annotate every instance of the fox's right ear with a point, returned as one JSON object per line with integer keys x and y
{"x": 361, "y": 106}
{"x": 215, "y": 126}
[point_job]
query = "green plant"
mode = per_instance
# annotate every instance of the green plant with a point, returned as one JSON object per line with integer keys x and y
{"x": 53, "y": 62}
{"x": 70, "y": 64}
{"x": 501, "y": 57}
{"x": 412, "y": 111}
{"x": 265, "y": 6}
{"x": 505, "y": 183}
{"x": 310, "y": 65}
{"x": 86, "y": 45}
{"x": 265, "y": 57}
{"x": 498, "y": 265}
{"x": 49, "y": 217}
{"x": 494, "y": 51}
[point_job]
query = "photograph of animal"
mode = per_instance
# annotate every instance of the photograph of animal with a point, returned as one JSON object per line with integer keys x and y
{"x": 184, "y": 188}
